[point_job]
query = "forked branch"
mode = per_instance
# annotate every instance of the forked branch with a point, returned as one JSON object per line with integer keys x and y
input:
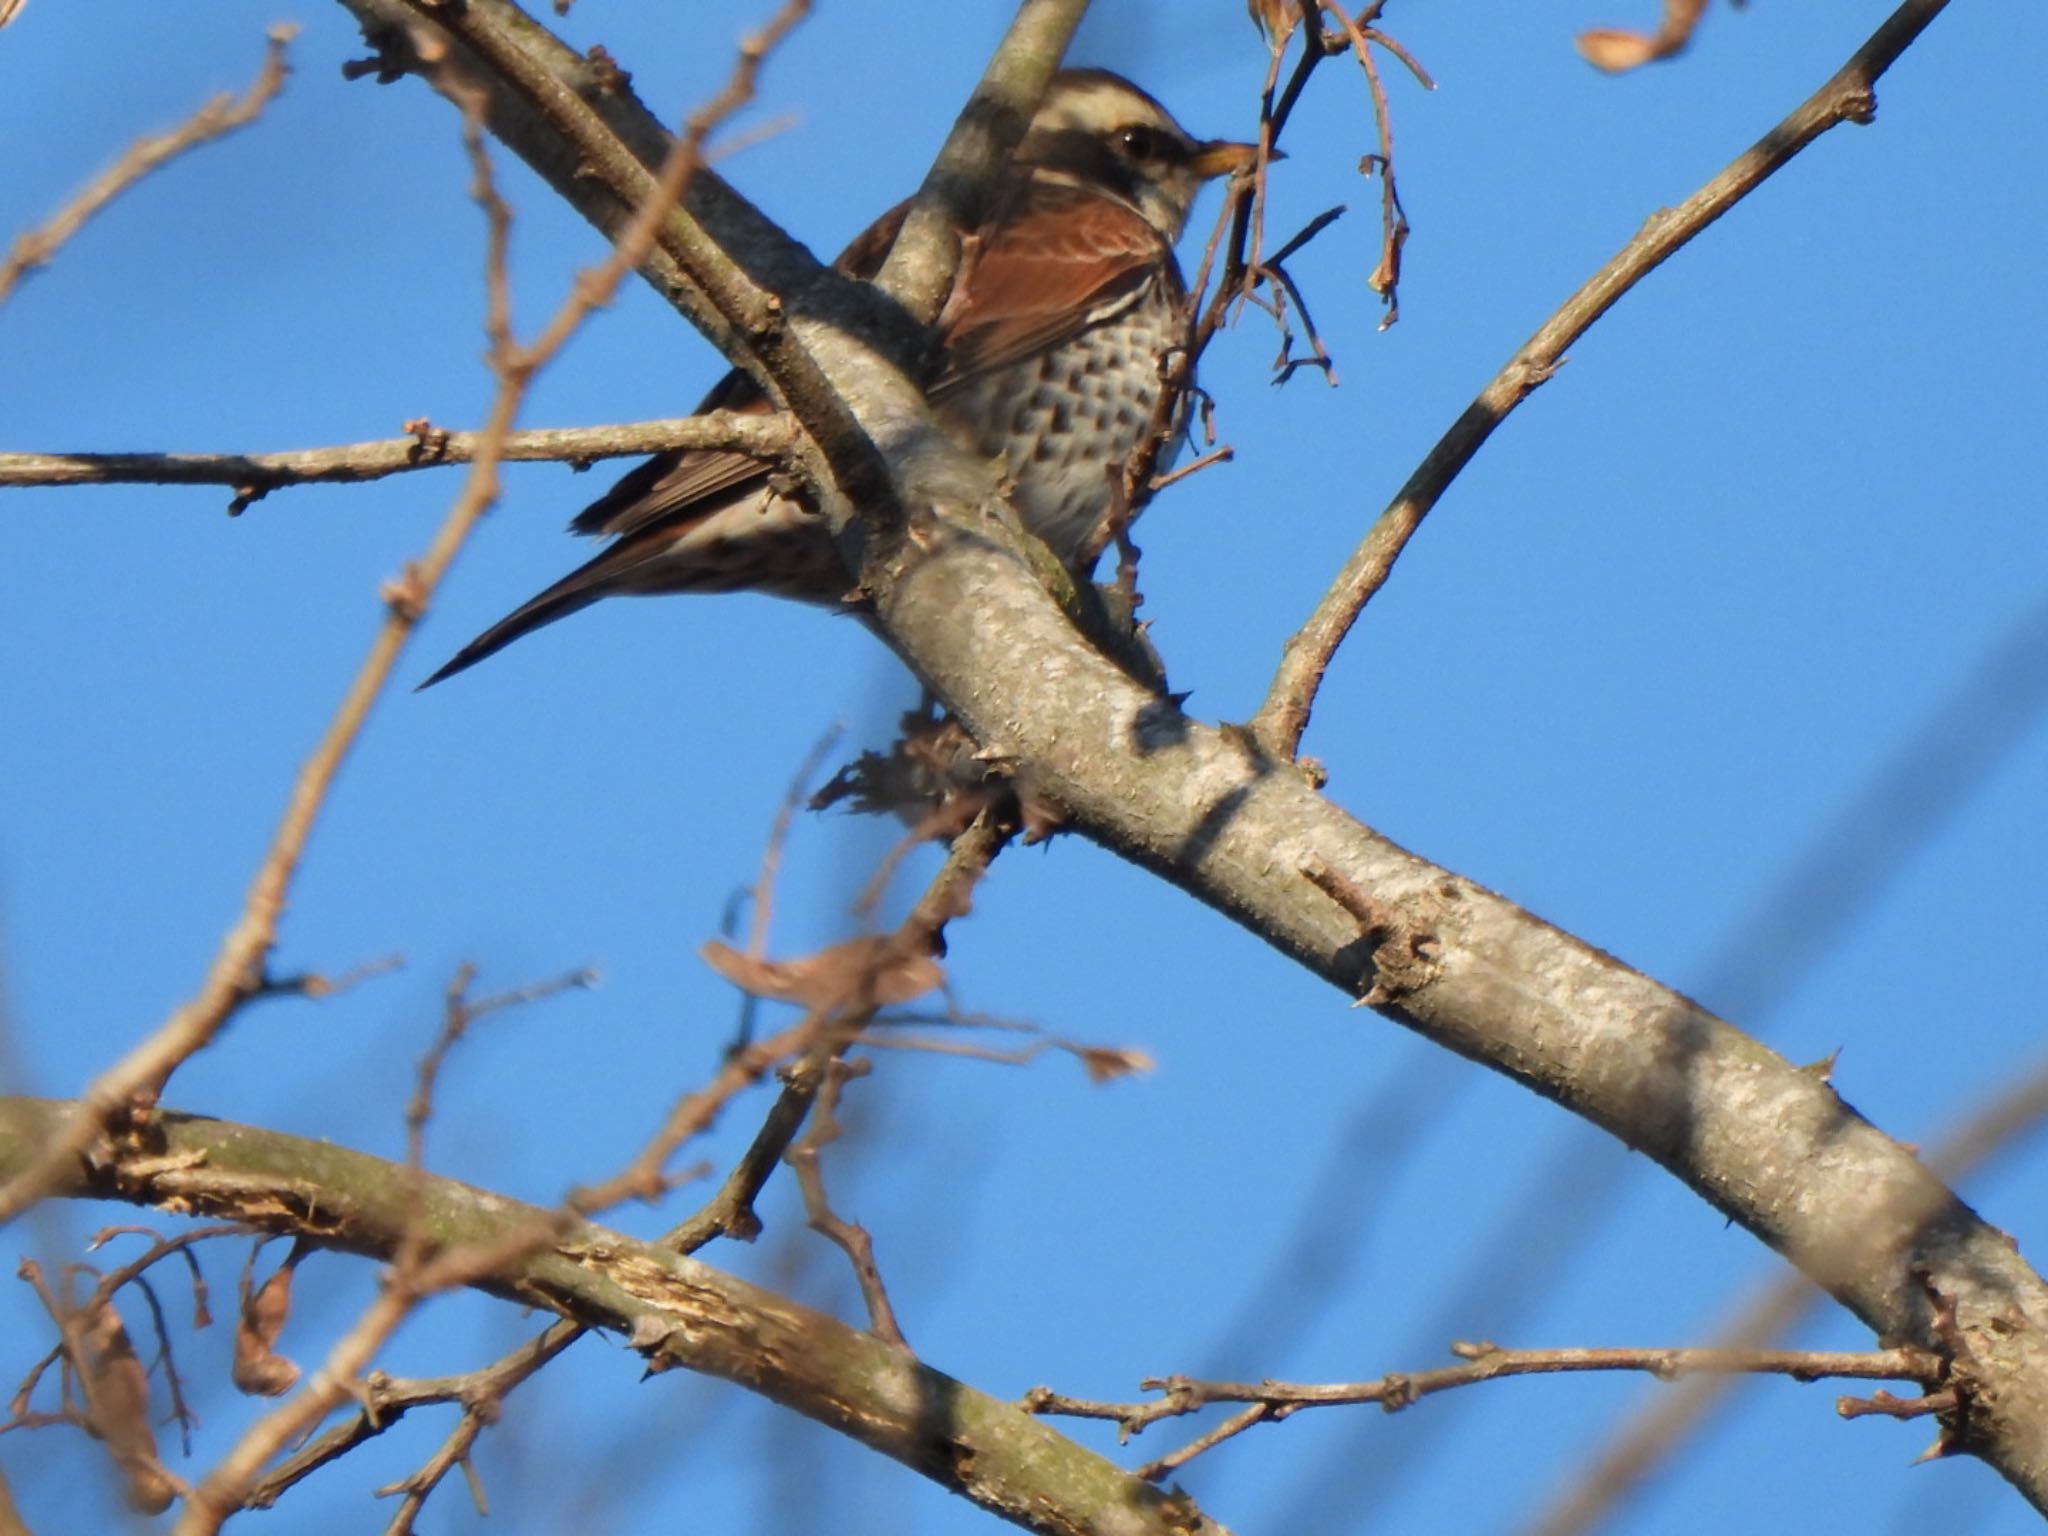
{"x": 1847, "y": 97}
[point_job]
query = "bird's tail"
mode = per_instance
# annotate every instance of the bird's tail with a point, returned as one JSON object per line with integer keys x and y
{"x": 547, "y": 607}
{"x": 745, "y": 545}
{"x": 609, "y": 572}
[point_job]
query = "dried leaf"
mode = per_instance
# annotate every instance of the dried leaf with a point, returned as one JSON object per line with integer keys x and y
{"x": 933, "y": 767}
{"x": 1276, "y": 18}
{"x": 117, "y": 1407}
{"x": 1617, "y": 49}
{"x": 1105, "y": 1063}
{"x": 1041, "y": 817}
{"x": 259, "y": 1370}
{"x": 871, "y": 972}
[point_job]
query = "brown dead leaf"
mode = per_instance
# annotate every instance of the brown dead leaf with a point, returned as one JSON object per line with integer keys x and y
{"x": 931, "y": 767}
{"x": 1615, "y": 49}
{"x": 1276, "y": 18}
{"x": 117, "y": 1406}
{"x": 1107, "y": 1063}
{"x": 259, "y": 1370}
{"x": 1619, "y": 49}
{"x": 875, "y": 971}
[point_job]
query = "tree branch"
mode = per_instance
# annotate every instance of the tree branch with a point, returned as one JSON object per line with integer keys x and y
{"x": 1640, "y": 1448}
{"x": 218, "y": 117}
{"x": 238, "y": 973}
{"x": 1396, "y": 1390}
{"x": 1770, "y": 1145}
{"x": 759, "y": 296}
{"x": 1847, "y": 97}
{"x": 427, "y": 447}
{"x": 674, "y": 1310}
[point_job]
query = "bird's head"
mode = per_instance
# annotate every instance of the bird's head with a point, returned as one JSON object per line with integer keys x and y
{"x": 1099, "y": 130}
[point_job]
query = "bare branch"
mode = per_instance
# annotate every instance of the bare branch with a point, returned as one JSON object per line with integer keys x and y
{"x": 1769, "y": 1145}
{"x": 595, "y": 144}
{"x": 238, "y": 972}
{"x": 1649, "y": 1438}
{"x": 1847, "y": 97}
{"x": 1273, "y": 1400}
{"x": 763, "y": 300}
{"x": 849, "y": 1237}
{"x": 219, "y": 117}
{"x": 426, "y": 447}
{"x": 674, "y": 1310}
{"x": 458, "y": 1011}
{"x": 387, "y": 1400}
{"x": 1386, "y": 277}
{"x": 226, "y": 1489}
{"x": 1209, "y": 809}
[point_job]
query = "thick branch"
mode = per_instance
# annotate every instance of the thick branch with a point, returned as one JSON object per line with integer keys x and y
{"x": 1767, "y": 1143}
{"x": 674, "y": 1310}
{"x": 758, "y": 295}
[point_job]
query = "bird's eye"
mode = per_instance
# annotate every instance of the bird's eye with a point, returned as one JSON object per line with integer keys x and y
{"x": 1138, "y": 141}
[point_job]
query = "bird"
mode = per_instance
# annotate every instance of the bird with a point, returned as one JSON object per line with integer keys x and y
{"x": 1067, "y": 299}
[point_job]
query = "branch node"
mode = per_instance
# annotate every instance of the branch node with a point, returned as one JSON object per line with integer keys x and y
{"x": 1405, "y": 958}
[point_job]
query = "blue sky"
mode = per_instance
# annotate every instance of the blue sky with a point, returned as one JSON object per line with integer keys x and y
{"x": 1779, "y": 513}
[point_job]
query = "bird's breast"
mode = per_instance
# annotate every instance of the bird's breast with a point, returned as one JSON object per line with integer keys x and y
{"x": 1066, "y": 421}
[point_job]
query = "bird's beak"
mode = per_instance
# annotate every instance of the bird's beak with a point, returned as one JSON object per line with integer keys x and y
{"x": 1222, "y": 157}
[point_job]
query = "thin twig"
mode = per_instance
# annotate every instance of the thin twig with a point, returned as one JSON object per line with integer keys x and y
{"x": 387, "y": 1400}
{"x": 1649, "y": 1438}
{"x": 1386, "y": 276}
{"x": 730, "y": 1213}
{"x": 458, "y": 1012}
{"x": 851, "y": 1238}
{"x": 482, "y": 1395}
{"x": 1236, "y": 1424}
{"x": 11, "y": 1523}
{"x": 646, "y": 1177}
{"x": 1848, "y": 96}
{"x": 778, "y": 837}
{"x": 219, "y": 117}
{"x": 1237, "y": 239}
{"x": 253, "y": 475}
{"x": 238, "y": 971}
{"x": 1180, "y": 1395}
{"x": 614, "y": 183}
{"x": 228, "y": 1486}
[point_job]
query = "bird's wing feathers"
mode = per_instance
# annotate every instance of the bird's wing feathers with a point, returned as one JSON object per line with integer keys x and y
{"x": 693, "y": 481}
{"x": 679, "y": 481}
{"x": 1055, "y": 262}
{"x": 1044, "y": 272}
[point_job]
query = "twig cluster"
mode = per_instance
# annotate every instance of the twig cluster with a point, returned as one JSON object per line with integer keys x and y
{"x": 1271, "y": 1401}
